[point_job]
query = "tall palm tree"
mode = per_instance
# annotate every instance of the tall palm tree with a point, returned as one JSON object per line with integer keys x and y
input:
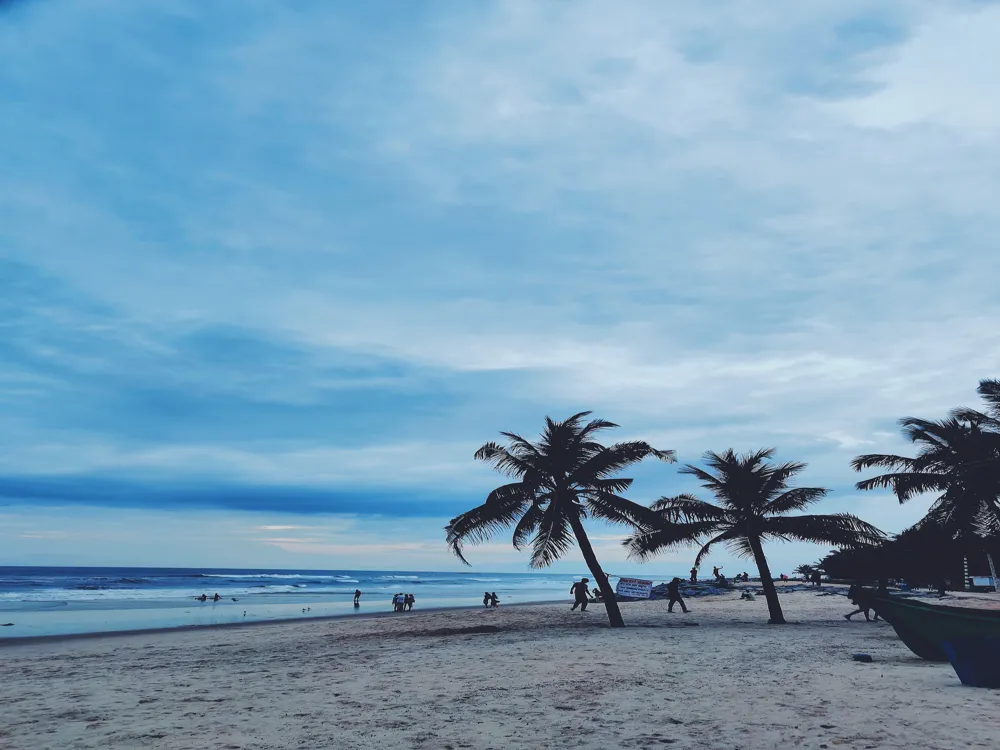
{"x": 560, "y": 480}
{"x": 959, "y": 458}
{"x": 752, "y": 500}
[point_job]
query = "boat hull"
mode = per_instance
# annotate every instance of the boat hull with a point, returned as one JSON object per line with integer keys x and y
{"x": 926, "y": 628}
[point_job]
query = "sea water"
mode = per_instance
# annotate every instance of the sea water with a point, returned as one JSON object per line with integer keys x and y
{"x": 63, "y": 601}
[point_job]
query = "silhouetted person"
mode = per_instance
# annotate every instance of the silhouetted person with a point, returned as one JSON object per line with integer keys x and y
{"x": 817, "y": 578}
{"x": 674, "y": 592}
{"x": 715, "y": 572}
{"x": 408, "y": 601}
{"x": 202, "y": 598}
{"x": 216, "y": 598}
{"x": 581, "y": 593}
{"x": 494, "y": 600}
{"x": 486, "y": 598}
{"x": 862, "y": 600}
{"x": 357, "y": 597}
{"x": 694, "y": 575}
{"x": 942, "y": 587}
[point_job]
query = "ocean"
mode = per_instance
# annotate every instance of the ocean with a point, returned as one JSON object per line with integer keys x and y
{"x": 38, "y": 601}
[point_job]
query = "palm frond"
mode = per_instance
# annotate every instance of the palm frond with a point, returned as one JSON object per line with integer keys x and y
{"x": 906, "y": 485}
{"x": 616, "y": 509}
{"x": 481, "y": 523}
{"x": 503, "y": 460}
{"x": 613, "y": 459}
{"x": 838, "y": 529}
{"x": 528, "y": 525}
{"x": 882, "y": 461}
{"x": 795, "y": 499}
{"x": 649, "y": 541}
{"x": 728, "y": 536}
{"x": 554, "y": 537}
{"x": 688, "y": 508}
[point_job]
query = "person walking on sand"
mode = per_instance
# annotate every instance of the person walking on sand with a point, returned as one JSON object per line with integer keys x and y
{"x": 494, "y": 600}
{"x": 581, "y": 594}
{"x": 410, "y": 599}
{"x": 357, "y": 597}
{"x": 674, "y": 593}
{"x": 861, "y": 599}
{"x": 486, "y": 598}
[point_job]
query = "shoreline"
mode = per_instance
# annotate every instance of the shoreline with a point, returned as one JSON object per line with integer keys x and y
{"x": 12, "y": 641}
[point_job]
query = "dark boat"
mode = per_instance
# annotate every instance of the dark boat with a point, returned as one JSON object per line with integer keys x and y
{"x": 926, "y": 628}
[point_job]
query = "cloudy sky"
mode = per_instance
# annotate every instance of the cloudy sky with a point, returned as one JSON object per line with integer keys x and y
{"x": 271, "y": 272}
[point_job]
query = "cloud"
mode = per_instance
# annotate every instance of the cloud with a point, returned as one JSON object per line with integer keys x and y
{"x": 294, "y": 254}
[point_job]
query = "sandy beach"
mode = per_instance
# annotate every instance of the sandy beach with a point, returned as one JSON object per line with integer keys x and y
{"x": 537, "y": 676}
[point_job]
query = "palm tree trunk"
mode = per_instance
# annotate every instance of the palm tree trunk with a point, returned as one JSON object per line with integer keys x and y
{"x": 766, "y": 582}
{"x": 607, "y": 593}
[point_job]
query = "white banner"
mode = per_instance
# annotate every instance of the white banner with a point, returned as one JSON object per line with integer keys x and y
{"x": 634, "y": 587}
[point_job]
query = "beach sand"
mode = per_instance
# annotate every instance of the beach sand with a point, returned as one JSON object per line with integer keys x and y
{"x": 718, "y": 677}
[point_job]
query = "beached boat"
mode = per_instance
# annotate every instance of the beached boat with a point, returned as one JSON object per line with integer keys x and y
{"x": 926, "y": 628}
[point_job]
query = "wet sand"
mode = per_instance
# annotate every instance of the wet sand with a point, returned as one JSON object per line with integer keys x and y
{"x": 534, "y": 676}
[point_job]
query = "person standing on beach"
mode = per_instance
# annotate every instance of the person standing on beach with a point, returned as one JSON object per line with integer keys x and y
{"x": 581, "y": 594}
{"x": 494, "y": 600}
{"x": 357, "y": 597}
{"x": 486, "y": 598}
{"x": 694, "y": 575}
{"x": 408, "y": 601}
{"x": 674, "y": 593}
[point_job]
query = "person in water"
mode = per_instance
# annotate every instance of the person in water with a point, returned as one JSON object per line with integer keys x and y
{"x": 581, "y": 593}
{"x": 357, "y": 597}
{"x": 674, "y": 593}
{"x": 202, "y": 598}
{"x": 216, "y": 597}
{"x": 408, "y": 601}
{"x": 494, "y": 600}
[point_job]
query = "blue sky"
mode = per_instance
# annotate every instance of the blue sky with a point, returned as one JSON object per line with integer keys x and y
{"x": 270, "y": 273}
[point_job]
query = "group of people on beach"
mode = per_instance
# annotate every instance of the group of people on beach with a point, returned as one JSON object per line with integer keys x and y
{"x": 719, "y": 578}
{"x": 402, "y": 602}
{"x": 490, "y": 599}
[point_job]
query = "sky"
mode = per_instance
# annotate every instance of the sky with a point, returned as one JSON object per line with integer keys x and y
{"x": 270, "y": 273}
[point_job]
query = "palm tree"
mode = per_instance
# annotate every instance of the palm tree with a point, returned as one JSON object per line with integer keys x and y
{"x": 562, "y": 479}
{"x": 959, "y": 458}
{"x": 752, "y": 500}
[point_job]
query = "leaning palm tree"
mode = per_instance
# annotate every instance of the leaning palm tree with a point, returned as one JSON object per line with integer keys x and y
{"x": 959, "y": 458}
{"x": 561, "y": 480}
{"x": 752, "y": 500}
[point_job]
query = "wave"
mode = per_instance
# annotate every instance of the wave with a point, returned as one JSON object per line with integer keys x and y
{"x": 186, "y": 594}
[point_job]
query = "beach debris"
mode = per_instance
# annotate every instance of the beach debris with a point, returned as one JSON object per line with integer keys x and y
{"x": 865, "y": 658}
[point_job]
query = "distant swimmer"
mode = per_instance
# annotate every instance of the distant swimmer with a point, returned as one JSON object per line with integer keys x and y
{"x": 202, "y": 598}
{"x": 357, "y": 597}
{"x": 216, "y": 598}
